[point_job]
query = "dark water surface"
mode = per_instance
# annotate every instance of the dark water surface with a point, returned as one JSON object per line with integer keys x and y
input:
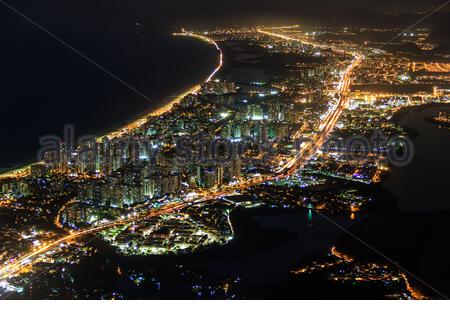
{"x": 268, "y": 244}
{"x": 423, "y": 184}
{"x": 45, "y": 85}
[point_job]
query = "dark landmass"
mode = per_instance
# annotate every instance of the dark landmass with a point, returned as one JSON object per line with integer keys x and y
{"x": 442, "y": 49}
{"x": 440, "y": 35}
{"x": 373, "y": 19}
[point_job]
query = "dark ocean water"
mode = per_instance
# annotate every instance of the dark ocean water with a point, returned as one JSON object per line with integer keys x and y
{"x": 44, "y": 85}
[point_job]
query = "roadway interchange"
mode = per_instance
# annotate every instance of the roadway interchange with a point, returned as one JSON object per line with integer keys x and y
{"x": 14, "y": 267}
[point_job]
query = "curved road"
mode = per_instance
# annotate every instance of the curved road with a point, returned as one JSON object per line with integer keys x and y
{"x": 310, "y": 148}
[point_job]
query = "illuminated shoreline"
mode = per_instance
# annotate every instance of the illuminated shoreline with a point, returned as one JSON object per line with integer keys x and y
{"x": 25, "y": 170}
{"x": 9, "y": 270}
{"x": 18, "y": 173}
{"x": 169, "y": 105}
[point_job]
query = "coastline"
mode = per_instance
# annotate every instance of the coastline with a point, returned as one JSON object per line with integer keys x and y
{"x": 403, "y": 112}
{"x": 167, "y": 107}
{"x": 24, "y": 170}
{"x": 418, "y": 217}
{"x": 428, "y": 140}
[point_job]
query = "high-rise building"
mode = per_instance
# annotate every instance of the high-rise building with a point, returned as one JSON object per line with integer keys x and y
{"x": 150, "y": 187}
{"x": 236, "y": 168}
{"x": 435, "y": 91}
{"x": 208, "y": 177}
{"x": 219, "y": 176}
{"x": 105, "y": 155}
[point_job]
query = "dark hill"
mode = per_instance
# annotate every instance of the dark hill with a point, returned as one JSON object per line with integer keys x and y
{"x": 440, "y": 35}
{"x": 372, "y": 19}
{"x": 442, "y": 49}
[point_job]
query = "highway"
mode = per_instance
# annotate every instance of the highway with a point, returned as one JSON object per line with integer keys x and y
{"x": 11, "y": 269}
{"x": 312, "y": 145}
{"x": 316, "y": 142}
